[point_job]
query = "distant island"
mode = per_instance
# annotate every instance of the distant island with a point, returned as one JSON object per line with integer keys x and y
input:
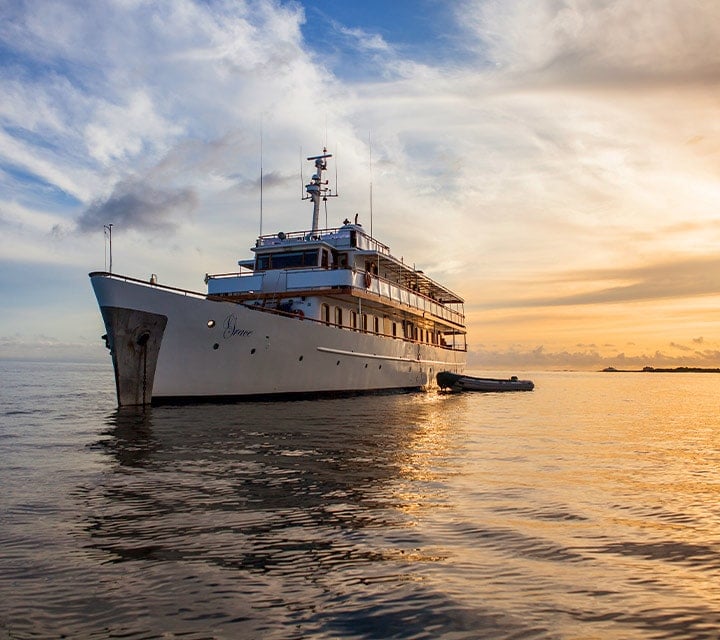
{"x": 661, "y": 370}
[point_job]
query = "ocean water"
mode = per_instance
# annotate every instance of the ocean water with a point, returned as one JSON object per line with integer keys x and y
{"x": 589, "y": 508}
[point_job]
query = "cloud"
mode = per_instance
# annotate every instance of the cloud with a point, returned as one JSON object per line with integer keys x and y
{"x": 50, "y": 348}
{"x": 366, "y": 41}
{"x": 100, "y": 88}
{"x": 591, "y": 42}
{"x": 539, "y": 358}
{"x": 681, "y": 278}
{"x": 681, "y": 347}
{"x": 273, "y": 179}
{"x": 124, "y": 130}
{"x": 135, "y": 204}
{"x": 538, "y": 172}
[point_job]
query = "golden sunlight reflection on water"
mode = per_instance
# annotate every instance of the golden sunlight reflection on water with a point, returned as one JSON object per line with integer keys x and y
{"x": 586, "y": 508}
{"x": 600, "y": 491}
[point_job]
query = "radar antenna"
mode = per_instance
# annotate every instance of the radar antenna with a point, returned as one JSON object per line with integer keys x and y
{"x": 317, "y": 189}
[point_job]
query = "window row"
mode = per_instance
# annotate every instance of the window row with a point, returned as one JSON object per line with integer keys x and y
{"x": 369, "y": 323}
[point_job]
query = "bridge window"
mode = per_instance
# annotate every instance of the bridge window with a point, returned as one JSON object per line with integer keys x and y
{"x": 288, "y": 260}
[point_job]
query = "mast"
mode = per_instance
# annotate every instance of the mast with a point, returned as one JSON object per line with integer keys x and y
{"x": 108, "y": 228}
{"x": 317, "y": 188}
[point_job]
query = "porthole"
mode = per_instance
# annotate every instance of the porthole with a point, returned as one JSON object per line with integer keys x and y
{"x": 379, "y": 367}
{"x": 216, "y": 346}
{"x": 300, "y": 359}
{"x": 366, "y": 365}
{"x": 337, "y": 364}
{"x": 210, "y": 324}
{"x": 252, "y": 350}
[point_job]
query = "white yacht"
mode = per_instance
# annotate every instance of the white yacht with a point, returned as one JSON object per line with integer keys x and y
{"x": 322, "y": 311}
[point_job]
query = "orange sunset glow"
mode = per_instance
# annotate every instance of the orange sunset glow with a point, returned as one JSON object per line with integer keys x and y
{"x": 556, "y": 164}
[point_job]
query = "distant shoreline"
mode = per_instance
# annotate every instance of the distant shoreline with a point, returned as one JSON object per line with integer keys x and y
{"x": 661, "y": 370}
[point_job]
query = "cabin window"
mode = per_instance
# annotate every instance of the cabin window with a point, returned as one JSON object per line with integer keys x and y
{"x": 364, "y": 322}
{"x": 325, "y": 313}
{"x": 409, "y": 330}
{"x": 353, "y": 320}
{"x": 338, "y": 316}
{"x": 376, "y": 324}
{"x": 394, "y": 329}
{"x": 325, "y": 258}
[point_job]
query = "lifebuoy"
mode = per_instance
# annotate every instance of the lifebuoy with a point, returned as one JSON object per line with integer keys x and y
{"x": 368, "y": 280}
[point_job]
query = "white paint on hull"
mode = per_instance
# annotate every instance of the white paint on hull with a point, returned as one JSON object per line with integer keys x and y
{"x": 216, "y": 348}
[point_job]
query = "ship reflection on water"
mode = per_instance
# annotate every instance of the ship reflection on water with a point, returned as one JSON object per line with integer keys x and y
{"x": 302, "y": 505}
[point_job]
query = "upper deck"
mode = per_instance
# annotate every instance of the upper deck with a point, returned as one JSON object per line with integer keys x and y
{"x": 343, "y": 261}
{"x": 346, "y": 247}
{"x": 332, "y": 259}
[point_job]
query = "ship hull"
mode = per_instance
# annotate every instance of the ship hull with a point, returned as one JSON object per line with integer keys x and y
{"x": 172, "y": 345}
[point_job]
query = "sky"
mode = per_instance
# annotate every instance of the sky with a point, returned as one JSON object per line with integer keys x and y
{"x": 555, "y": 162}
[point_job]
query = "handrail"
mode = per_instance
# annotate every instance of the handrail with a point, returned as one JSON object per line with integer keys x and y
{"x": 447, "y": 312}
{"x": 147, "y": 283}
{"x": 322, "y": 235}
{"x": 426, "y": 299}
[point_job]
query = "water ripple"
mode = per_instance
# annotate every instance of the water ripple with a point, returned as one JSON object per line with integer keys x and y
{"x": 556, "y": 515}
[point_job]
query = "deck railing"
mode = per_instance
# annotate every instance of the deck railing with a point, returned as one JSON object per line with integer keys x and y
{"x": 338, "y": 237}
{"x": 318, "y": 279}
